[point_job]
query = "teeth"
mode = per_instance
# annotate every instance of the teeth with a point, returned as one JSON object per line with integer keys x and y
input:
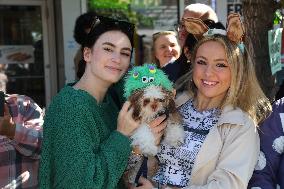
{"x": 210, "y": 82}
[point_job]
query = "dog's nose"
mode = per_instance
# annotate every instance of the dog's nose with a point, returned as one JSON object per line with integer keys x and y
{"x": 154, "y": 107}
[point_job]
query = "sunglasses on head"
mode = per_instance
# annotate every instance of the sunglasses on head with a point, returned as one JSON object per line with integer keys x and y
{"x": 112, "y": 23}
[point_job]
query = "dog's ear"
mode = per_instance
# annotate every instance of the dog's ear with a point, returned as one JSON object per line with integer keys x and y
{"x": 174, "y": 92}
{"x": 136, "y": 95}
{"x": 136, "y": 112}
{"x": 168, "y": 94}
{"x": 169, "y": 97}
{"x": 172, "y": 109}
{"x": 135, "y": 100}
{"x": 172, "y": 106}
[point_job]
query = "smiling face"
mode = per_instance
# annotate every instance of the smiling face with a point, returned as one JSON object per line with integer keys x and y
{"x": 109, "y": 58}
{"x": 166, "y": 49}
{"x": 211, "y": 72}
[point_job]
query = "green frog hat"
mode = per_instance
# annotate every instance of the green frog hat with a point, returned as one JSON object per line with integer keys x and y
{"x": 144, "y": 76}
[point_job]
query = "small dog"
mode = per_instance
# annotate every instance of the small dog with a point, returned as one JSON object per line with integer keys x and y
{"x": 148, "y": 104}
{"x": 151, "y": 95}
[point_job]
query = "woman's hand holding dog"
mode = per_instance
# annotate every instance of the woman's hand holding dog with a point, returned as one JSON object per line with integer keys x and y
{"x": 157, "y": 127}
{"x": 145, "y": 184}
{"x": 125, "y": 123}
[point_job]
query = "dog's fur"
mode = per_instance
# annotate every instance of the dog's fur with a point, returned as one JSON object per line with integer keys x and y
{"x": 148, "y": 104}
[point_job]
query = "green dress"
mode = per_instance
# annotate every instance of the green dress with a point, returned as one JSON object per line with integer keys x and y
{"x": 81, "y": 147}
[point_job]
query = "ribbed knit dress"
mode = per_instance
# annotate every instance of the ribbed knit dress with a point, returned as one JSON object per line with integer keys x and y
{"x": 81, "y": 147}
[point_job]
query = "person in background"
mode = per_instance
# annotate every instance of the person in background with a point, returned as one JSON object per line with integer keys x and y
{"x": 20, "y": 142}
{"x": 165, "y": 48}
{"x": 181, "y": 66}
{"x": 220, "y": 118}
{"x": 269, "y": 171}
{"x": 195, "y": 10}
{"x": 81, "y": 29}
{"x": 86, "y": 138}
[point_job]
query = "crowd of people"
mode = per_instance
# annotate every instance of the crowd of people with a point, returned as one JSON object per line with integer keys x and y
{"x": 234, "y": 138}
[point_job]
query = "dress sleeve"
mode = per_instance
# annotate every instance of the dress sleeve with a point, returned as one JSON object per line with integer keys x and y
{"x": 75, "y": 154}
{"x": 271, "y": 146}
{"x": 28, "y": 117}
{"x": 237, "y": 158}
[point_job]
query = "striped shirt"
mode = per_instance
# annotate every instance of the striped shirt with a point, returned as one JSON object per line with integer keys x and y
{"x": 19, "y": 157}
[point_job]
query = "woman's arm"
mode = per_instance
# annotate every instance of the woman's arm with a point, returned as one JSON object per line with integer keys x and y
{"x": 27, "y": 118}
{"x": 271, "y": 135}
{"x": 237, "y": 158}
{"x": 76, "y": 154}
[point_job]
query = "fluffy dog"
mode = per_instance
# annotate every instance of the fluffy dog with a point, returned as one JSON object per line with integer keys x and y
{"x": 151, "y": 95}
{"x": 148, "y": 104}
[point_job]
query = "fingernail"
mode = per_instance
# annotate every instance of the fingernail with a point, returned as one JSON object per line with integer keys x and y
{"x": 163, "y": 117}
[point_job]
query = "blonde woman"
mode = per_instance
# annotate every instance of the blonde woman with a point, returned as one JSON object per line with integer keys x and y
{"x": 165, "y": 48}
{"x": 224, "y": 106}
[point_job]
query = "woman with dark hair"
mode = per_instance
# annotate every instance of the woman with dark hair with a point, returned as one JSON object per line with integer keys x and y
{"x": 86, "y": 139}
{"x": 81, "y": 29}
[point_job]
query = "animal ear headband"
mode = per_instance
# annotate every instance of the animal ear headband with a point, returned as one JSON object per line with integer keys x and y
{"x": 195, "y": 26}
{"x": 235, "y": 29}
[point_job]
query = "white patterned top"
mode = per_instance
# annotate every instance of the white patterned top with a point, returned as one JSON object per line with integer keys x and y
{"x": 176, "y": 163}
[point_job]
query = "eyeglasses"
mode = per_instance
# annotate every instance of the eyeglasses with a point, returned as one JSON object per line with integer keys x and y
{"x": 180, "y": 26}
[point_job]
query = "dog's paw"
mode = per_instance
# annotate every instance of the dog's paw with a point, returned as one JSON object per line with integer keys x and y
{"x": 150, "y": 150}
{"x": 174, "y": 135}
{"x": 144, "y": 140}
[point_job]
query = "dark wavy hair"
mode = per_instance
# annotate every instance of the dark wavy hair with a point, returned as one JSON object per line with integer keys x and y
{"x": 100, "y": 25}
{"x": 82, "y": 24}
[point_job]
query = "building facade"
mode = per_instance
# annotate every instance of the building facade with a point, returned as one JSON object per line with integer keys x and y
{"x": 37, "y": 45}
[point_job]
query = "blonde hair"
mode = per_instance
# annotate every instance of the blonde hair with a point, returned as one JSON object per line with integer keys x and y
{"x": 155, "y": 36}
{"x": 245, "y": 91}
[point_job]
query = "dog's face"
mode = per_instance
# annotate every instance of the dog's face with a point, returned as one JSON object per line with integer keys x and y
{"x": 151, "y": 102}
